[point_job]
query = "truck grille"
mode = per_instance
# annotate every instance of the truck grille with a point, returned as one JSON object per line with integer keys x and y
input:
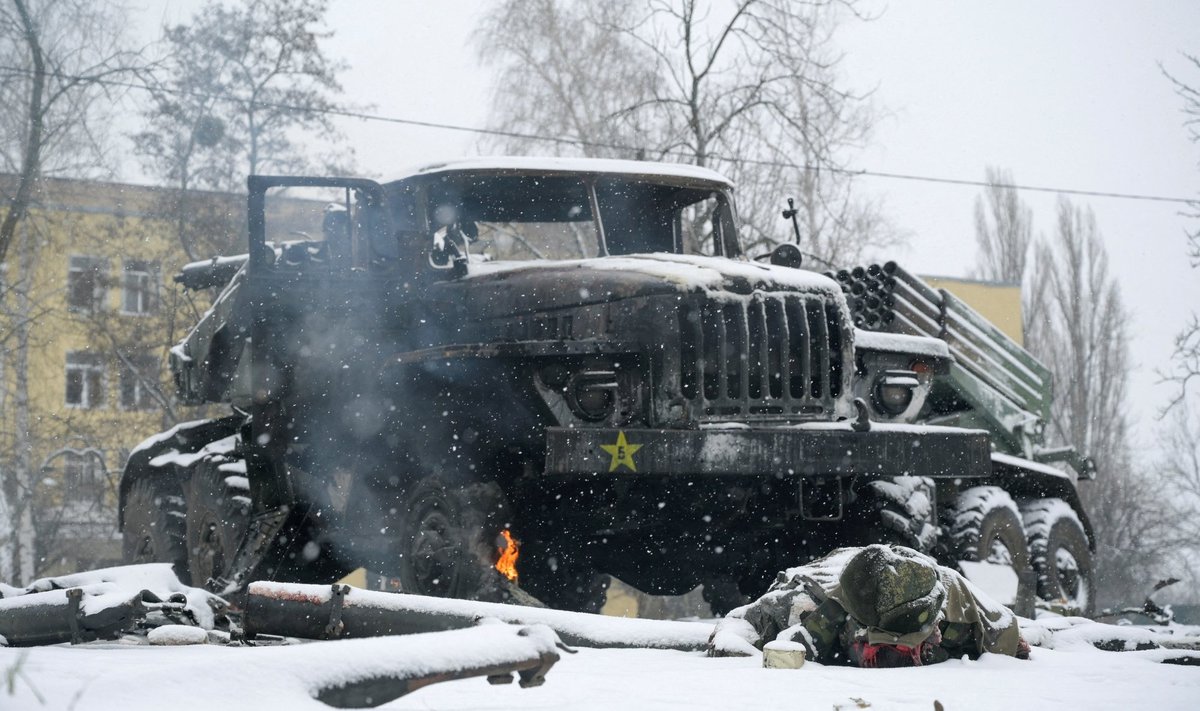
{"x": 769, "y": 355}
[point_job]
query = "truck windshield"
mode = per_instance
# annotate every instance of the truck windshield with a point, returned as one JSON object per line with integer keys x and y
{"x": 520, "y": 217}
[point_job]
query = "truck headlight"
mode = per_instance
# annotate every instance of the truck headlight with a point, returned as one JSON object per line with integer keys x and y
{"x": 894, "y": 390}
{"x": 592, "y": 394}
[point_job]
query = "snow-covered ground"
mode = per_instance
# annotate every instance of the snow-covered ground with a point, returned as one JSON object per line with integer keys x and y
{"x": 172, "y": 668}
{"x": 130, "y": 677}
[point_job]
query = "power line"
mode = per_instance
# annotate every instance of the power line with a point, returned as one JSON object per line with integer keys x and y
{"x": 364, "y": 116}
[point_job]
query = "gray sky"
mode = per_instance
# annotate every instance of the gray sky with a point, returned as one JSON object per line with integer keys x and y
{"x": 1064, "y": 94}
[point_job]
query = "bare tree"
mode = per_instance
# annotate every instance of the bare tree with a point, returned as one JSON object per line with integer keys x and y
{"x": 59, "y": 58}
{"x": 58, "y": 62}
{"x": 1187, "y": 343}
{"x": 242, "y": 90}
{"x": 747, "y": 87}
{"x": 1181, "y": 474}
{"x": 547, "y": 54}
{"x": 18, "y": 542}
{"x": 1077, "y": 326}
{"x": 1003, "y": 229}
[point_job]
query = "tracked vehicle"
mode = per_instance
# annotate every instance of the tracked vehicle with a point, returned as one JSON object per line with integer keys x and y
{"x": 576, "y": 355}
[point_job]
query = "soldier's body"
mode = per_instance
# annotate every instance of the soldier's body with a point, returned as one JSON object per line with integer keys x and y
{"x": 876, "y": 606}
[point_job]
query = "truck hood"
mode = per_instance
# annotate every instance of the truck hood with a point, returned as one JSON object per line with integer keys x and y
{"x": 576, "y": 282}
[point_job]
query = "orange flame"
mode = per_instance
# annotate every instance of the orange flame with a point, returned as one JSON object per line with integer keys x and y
{"x": 507, "y": 564}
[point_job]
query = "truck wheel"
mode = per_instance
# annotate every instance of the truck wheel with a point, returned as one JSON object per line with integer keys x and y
{"x": 902, "y": 512}
{"x": 154, "y": 526}
{"x": 984, "y": 525}
{"x": 1061, "y": 555}
{"x": 218, "y": 513}
{"x": 448, "y": 541}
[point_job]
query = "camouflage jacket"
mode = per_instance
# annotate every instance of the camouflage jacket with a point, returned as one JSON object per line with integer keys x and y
{"x": 807, "y": 605}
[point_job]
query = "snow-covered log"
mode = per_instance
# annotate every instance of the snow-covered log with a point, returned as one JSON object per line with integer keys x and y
{"x": 328, "y": 612}
{"x": 401, "y": 666}
{"x": 100, "y": 604}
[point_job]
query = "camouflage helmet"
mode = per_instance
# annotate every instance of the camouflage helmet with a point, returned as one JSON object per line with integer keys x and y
{"x": 892, "y": 589}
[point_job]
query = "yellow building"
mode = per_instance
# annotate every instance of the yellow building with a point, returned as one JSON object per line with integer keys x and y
{"x": 998, "y": 302}
{"x": 87, "y": 316}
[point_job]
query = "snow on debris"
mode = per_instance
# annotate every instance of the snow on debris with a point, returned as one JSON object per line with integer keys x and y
{"x": 573, "y": 627}
{"x": 420, "y": 655}
{"x": 173, "y": 635}
{"x": 1080, "y": 633}
{"x": 99, "y": 677}
{"x": 110, "y": 587}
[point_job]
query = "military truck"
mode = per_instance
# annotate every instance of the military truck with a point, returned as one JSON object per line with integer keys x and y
{"x": 577, "y": 356}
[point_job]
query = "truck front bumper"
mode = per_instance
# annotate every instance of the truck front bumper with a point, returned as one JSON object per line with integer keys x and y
{"x": 801, "y": 451}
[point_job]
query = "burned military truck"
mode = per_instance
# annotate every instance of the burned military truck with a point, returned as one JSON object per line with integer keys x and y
{"x": 575, "y": 355}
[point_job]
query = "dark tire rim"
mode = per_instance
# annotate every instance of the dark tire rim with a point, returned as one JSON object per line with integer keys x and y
{"x": 438, "y": 557}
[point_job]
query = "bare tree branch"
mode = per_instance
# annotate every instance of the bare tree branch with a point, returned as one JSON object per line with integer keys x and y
{"x": 730, "y": 85}
{"x": 1003, "y": 230}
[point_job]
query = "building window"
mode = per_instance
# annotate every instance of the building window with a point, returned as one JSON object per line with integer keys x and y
{"x": 85, "y": 380}
{"x": 139, "y": 287}
{"x": 85, "y": 283}
{"x": 83, "y": 476}
{"x": 138, "y": 381}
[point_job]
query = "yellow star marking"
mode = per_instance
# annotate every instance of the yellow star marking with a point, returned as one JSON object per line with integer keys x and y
{"x": 622, "y": 453}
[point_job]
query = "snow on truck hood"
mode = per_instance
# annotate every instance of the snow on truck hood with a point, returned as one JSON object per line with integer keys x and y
{"x": 687, "y": 272}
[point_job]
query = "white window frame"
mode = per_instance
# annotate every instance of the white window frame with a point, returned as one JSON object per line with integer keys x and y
{"x": 92, "y": 389}
{"x": 143, "y": 279}
{"x": 145, "y": 367}
{"x": 82, "y": 475}
{"x": 79, "y": 264}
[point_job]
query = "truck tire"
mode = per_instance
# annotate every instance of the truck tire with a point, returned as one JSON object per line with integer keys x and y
{"x": 1062, "y": 558}
{"x": 218, "y": 514}
{"x": 983, "y": 525}
{"x": 901, "y": 511}
{"x": 448, "y": 541}
{"x": 154, "y": 526}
